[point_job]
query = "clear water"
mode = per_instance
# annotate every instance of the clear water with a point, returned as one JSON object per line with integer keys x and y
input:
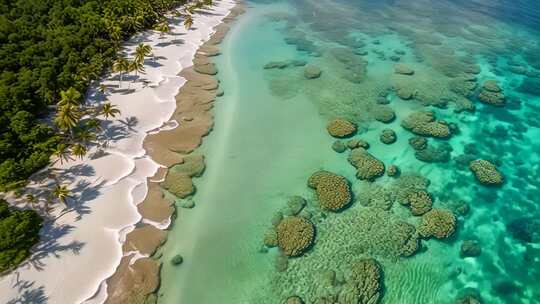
{"x": 270, "y": 135}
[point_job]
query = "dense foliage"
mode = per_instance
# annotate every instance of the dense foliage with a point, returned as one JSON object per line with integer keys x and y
{"x": 19, "y": 231}
{"x": 50, "y": 46}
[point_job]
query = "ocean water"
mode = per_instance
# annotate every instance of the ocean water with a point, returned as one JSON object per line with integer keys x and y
{"x": 270, "y": 136}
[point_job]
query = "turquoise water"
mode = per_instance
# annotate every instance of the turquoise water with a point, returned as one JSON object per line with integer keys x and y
{"x": 270, "y": 136}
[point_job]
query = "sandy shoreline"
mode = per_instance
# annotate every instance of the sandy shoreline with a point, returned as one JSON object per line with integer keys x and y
{"x": 139, "y": 281}
{"x": 119, "y": 212}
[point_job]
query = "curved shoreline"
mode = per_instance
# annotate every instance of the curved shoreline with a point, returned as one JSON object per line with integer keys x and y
{"x": 138, "y": 275}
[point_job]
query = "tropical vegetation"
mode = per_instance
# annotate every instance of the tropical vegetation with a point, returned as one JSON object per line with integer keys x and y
{"x": 52, "y": 46}
{"x": 51, "y": 51}
{"x": 19, "y": 231}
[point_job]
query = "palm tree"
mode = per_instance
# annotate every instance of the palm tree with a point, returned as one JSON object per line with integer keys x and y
{"x": 142, "y": 51}
{"x": 208, "y": 2}
{"x": 109, "y": 109}
{"x": 190, "y": 10}
{"x": 199, "y": 5}
{"x": 61, "y": 193}
{"x": 102, "y": 89}
{"x": 61, "y": 153}
{"x": 79, "y": 150}
{"x": 136, "y": 66}
{"x": 163, "y": 28}
{"x": 120, "y": 65}
{"x": 67, "y": 117}
{"x": 188, "y": 22}
{"x": 32, "y": 199}
{"x": 93, "y": 124}
{"x": 84, "y": 135}
{"x": 115, "y": 32}
{"x": 177, "y": 13}
{"x": 136, "y": 23}
{"x": 70, "y": 97}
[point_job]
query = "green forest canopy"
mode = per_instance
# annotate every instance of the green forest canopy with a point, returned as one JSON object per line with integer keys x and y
{"x": 19, "y": 231}
{"x": 47, "y": 46}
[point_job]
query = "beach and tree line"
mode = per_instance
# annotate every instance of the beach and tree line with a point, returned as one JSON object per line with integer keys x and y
{"x": 51, "y": 53}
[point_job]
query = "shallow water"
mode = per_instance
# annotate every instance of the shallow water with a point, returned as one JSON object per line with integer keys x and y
{"x": 270, "y": 136}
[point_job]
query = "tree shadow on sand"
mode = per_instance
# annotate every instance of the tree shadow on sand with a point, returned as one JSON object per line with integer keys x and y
{"x": 79, "y": 170}
{"x": 83, "y": 192}
{"x": 154, "y": 64}
{"x": 28, "y": 293}
{"x": 50, "y": 246}
{"x": 171, "y": 42}
{"x": 114, "y": 132}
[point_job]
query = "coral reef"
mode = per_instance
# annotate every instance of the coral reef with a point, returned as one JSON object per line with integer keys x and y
{"x": 492, "y": 94}
{"x": 364, "y": 286}
{"x": 341, "y": 128}
{"x": 303, "y": 44}
{"x": 438, "y": 223}
{"x": 355, "y": 66}
{"x": 275, "y": 65}
{"x": 418, "y": 142}
{"x": 315, "y": 178}
{"x": 284, "y": 64}
{"x": 403, "y": 69}
{"x": 295, "y": 204}
{"x": 434, "y": 154}
{"x": 463, "y": 86}
{"x": 312, "y": 72}
{"x": 177, "y": 260}
{"x": 491, "y": 86}
{"x": 486, "y": 172}
{"x": 376, "y": 196}
{"x": 404, "y": 90}
{"x": 357, "y": 143}
{"x": 368, "y": 167}
{"x": 295, "y": 235}
{"x": 339, "y": 146}
{"x": 420, "y": 202}
{"x": 424, "y": 123}
{"x": 406, "y": 238}
{"x": 388, "y": 136}
{"x": 463, "y": 104}
{"x": 458, "y": 207}
{"x": 270, "y": 238}
{"x": 408, "y": 183}
{"x": 492, "y": 98}
{"x": 383, "y": 113}
{"x": 333, "y": 191}
{"x": 470, "y": 248}
{"x": 392, "y": 171}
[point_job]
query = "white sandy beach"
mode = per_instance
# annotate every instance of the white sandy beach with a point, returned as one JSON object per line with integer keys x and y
{"x": 82, "y": 248}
